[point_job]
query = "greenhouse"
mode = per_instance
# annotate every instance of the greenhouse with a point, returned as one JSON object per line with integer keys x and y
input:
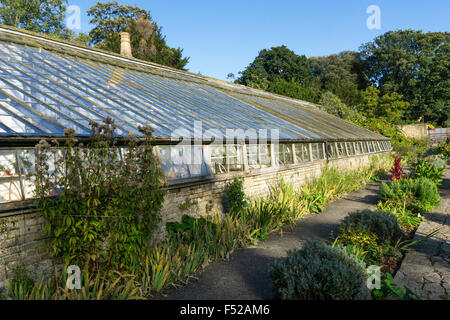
{"x": 47, "y": 86}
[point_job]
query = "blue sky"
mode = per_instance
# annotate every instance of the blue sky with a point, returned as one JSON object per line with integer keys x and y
{"x": 225, "y": 36}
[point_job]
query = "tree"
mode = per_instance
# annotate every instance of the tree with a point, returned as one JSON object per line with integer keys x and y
{"x": 390, "y": 106}
{"x": 276, "y": 63}
{"x": 336, "y": 107}
{"x": 41, "y": 16}
{"x": 147, "y": 41}
{"x": 415, "y": 65}
{"x": 341, "y": 74}
{"x": 293, "y": 89}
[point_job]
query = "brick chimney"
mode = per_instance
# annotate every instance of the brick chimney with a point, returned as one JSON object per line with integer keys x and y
{"x": 125, "y": 46}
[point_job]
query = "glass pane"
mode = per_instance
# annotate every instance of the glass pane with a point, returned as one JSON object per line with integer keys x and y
{"x": 27, "y": 160}
{"x": 331, "y": 150}
{"x": 302, "y": 152}
{"x": 10, "y": 189}
{"x": 350, "y": 148}
{"x": 264, "y": 155}
{"x": 284, "y": 155}
{"x": 182, "y": 162}
{"x": 226, "y": 158}
{"x": 252, "y": 155}
{"x": 315, "y": 151}
{"x": 340, "y": 149}
{"x": 321, "y": 151}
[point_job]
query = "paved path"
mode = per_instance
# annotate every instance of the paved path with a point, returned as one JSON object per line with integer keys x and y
{"x": 426, "y": 269}
{"x": 245, "y": 276}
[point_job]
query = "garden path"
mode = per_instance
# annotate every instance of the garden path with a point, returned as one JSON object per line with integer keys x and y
{"x": 245, "y": 276}
{"x": 426, "y": 268}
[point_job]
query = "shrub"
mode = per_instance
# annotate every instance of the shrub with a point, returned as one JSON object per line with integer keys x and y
{"x": 444, "y": 149}
{"x": 319, "y": 272}
{"x": 424, "y": 168}
{"x": 235, "y": 195}
{"x": 407, "y": 220}
{"x": 107, "y": 205}
{"x": 382, "y": 224}
{"x": 361, "y": 243}
{"x": 437, "y": 160}
{"x": 417, "y": 195}
{"x": 111, "y": 286}
{"x": 397, "y": 169}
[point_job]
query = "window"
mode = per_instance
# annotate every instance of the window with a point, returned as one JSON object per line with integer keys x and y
{"x": 365, "y": 147}
{"x": 258, "y": 156}
{"x": 377, "y": 146}
{"x": 350, "y": 148}
{"x": 10, "y": 186}
{"x": 302, "y": 152}
{"x": 317, "y": 151}
{"x": 284, "y": 154}
{"x": 182, "y": 162}
{"x": 331, "y": 150}
{"x": 340, "y": 148}
{"x": 358, "y": 148}
{"x": 371, "y": 148}
{"x": 226, "y": 158}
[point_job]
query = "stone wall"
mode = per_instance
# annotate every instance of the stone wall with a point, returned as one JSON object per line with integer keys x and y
{"x": 21, "y": 241}
{"x": 22, "y": 244}
{"x": 417, "y": 131}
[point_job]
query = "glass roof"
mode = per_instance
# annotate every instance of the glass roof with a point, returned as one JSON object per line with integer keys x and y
{"x": 46, "y": 86}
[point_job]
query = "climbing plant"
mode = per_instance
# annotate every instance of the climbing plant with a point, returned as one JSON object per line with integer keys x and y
{"x": 102, "y": 203}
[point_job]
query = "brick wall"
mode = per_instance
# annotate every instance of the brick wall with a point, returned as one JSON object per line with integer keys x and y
{"x": 21, "y": 241}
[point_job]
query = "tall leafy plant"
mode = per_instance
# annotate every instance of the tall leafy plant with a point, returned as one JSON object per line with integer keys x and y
{"x": 101, "y": 203}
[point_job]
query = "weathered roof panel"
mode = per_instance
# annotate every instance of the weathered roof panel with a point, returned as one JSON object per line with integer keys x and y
{"x": 47, "y": 85}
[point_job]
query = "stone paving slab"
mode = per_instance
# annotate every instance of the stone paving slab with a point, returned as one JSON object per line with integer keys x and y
{"x": 426, "y": 268}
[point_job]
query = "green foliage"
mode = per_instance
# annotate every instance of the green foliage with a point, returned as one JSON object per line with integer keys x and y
{"x": 438, "y": 161}
{"x": 45, "y": 16}
{"x": 336, "y": 107}
{"x": 390, "y": 288}
{"x": 319, "y": 272}
{"x": 293, "y": 89}
{"x": 111, "y": 286}
{"x": 413, "y": 64}
{"x": 262, "y": 217}
{"x": 416, "y": 195}
{"x": 187, "y": 203}
{"x": 381, "y": 224}
{"x": 188, "y": 225}
{"x": 147, "y": 41}
{"x": 444, "y": 149}
{"x": 364, "y": 243}
{"x": 423, "y": 168}
{"x": 340, "y": 74}
{"x": 407, "y": 220}
{"x": 100, "y": 210}
{"x": 389, "y": 106}
{"x": 276, "y": 63}
{"x": 21, "y": 282}
{"x": 408, "y": 148}
{"x": 235, "y": 195}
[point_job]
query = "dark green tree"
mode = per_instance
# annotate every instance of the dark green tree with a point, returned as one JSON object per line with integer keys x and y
{"x": 41, "y": 16}
{"x": 340, "y": 74}
{"x": 413, "y": 64}
{"x": 274, "y": 64}
{"x": 293, "y": 89}
{"x": 147, "y": 41}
